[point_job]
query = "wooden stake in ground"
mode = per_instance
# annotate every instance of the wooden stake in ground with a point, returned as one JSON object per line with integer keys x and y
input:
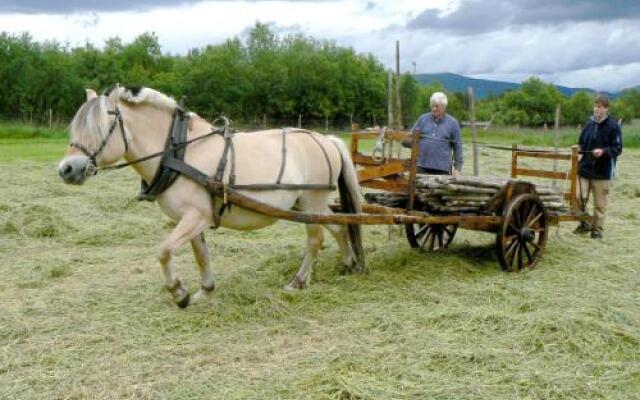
{"x": 390, "y": 124}
{"x": 390, "y": 99}
{"x": 556, "y": 140}
{"x": 398, "y": 108}
{"x": 474, "y": 132}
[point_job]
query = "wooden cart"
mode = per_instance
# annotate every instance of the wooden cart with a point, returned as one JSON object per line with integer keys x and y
{"x": 515, "y": 214}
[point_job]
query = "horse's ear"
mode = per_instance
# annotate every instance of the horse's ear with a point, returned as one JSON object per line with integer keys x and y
{"x": 91, "y": 94}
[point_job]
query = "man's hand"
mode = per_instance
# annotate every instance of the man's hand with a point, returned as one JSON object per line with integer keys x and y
{"x": 597, "y": 153}
{"x": 457, "y": 174}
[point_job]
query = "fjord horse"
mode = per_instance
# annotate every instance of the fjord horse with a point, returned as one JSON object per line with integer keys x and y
{"x": 132, "y": 123}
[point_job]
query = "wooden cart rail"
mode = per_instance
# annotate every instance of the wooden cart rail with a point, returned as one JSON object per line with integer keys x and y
{"x": 571, "y": 175}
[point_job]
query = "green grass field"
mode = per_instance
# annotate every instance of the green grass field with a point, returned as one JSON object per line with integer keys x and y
{"x": 85, "y": 315}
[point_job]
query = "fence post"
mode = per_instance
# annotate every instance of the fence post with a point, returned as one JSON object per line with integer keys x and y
{"x": 299, "y": 120}
{"x": 474, "y": 131}
{"x": 575, "y": 206}
{"x": 556, "y": 141}
{"x": 390, "y": 123}
{"x": 514, "y": 160}
{"x": 50, "y": 117}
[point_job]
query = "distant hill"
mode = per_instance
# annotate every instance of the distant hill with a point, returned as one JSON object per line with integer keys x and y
{"x": 483, "y": 88}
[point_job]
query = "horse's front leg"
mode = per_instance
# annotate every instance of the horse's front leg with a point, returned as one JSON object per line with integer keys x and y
{"x": 190, "y": 226}
{"x": 201, "y": 254}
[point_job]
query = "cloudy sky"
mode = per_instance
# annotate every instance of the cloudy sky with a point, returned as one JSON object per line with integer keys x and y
{"x": 578, "y": 43}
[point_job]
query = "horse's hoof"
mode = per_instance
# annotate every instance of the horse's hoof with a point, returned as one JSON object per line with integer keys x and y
{"x": 184, "y": 302}
{"x": 358, "y": 269}
{"x": 203, "y": 294}
{"x": 346, "y": 269}
{"x": 289, "y": 289}
{"x": 295, "y": 284}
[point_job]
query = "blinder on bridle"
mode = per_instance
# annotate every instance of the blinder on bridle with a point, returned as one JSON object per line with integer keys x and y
{"x": 117, "y": 122}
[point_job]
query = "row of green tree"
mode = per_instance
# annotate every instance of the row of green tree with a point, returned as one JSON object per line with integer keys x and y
{"x": 533, "y": 104}
{"x": 281, "y": 77}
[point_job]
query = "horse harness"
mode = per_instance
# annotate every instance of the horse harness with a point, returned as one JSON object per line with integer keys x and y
{"x": 172, "y": 163}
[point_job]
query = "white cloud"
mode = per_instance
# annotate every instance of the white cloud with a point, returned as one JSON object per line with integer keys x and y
{"x": 601, "y": 54}
{"x": 583, "y": 54}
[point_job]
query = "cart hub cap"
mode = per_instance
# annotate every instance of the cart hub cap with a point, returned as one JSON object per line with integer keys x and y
{"x": 526, "y": 235}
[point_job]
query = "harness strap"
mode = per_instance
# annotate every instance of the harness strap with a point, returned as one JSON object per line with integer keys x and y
{"x": 164, "y": 176}
{"x": 222, "y": 165}
{"x": 118, "y": 116}
{"x": 284, "y": 155}
{"x": 324, "y": 152}
{"x": 187, "y": 170}
{"x": 217, "y": 188}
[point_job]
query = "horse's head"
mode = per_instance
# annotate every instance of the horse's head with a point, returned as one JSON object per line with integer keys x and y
{"x": 104, "y": 129}
{"x": 98, "y": 137}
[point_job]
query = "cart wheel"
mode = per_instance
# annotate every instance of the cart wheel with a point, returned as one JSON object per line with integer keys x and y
{"x": 430, "y": 237}
{"x": 523, "y": 233}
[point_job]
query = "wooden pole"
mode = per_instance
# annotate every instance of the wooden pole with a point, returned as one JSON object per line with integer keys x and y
{"x": 413, "y": 169}
{"x": 50, "y": 118}
{"x": 390, "y": 123}
{"x": 575, "y": 206}
{"x": 556, "y": 140}
{"x": 514, "y": 160}
{"x": 474, "y": 131}
{"x": 355, "y": 128}
{"x": 398, "y": 117}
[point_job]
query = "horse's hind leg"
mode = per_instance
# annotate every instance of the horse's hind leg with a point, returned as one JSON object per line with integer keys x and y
{"x": 191, "y": 225}
{"x": 314, "y": 241}
{"x": 339, "y": 233}
{"x": 201, "y": 254}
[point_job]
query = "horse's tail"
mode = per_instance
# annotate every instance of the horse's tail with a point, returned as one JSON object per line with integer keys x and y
{"x": 349, "y": 189}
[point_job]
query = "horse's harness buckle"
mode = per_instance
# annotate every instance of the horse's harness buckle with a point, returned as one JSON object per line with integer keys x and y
{"x": 91, "y": 170}
{"x": 224, "y": 128}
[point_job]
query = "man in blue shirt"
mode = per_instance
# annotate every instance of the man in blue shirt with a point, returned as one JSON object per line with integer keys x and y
{"x": 600, "y": 144}
{"x": 439, "y": 137}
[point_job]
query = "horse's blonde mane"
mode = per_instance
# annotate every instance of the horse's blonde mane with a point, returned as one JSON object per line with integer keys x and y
{"x": 148, "y": 96}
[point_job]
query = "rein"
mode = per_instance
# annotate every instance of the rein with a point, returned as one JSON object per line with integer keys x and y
{"x": 173, "y": 147}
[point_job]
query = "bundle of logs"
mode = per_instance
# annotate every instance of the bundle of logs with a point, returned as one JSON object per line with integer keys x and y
{"x": 446, "y": 194}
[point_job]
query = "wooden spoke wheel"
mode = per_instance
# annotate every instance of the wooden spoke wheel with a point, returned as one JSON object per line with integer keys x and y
{"x": 523, "y": 233}
{"x": 430, "y": 237}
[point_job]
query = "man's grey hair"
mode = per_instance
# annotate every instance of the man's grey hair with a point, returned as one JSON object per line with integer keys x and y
{"x": 438, "y": 98}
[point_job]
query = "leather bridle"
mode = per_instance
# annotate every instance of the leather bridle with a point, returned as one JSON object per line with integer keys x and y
{"x": 117, "y": 122}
